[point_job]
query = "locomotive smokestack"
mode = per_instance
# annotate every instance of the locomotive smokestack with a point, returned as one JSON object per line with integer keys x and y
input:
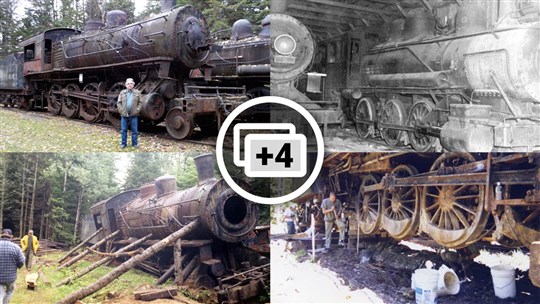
{"x": 205, "y": 167}
{"x": 167, "y": 5}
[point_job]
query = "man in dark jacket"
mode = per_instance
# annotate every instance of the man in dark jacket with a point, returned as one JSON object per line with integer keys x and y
{"x": 11, "y": 258}
{"x": 129, "y": 106}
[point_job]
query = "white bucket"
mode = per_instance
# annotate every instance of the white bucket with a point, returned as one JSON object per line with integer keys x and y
{"x": 448, "y": 282}
{"x": 504, "y": 281}
{"x": 425, "y": 285}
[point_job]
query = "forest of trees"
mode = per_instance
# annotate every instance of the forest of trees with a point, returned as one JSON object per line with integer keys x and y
{"x": 50, "y": 193}
{"x": 40, "y": 15}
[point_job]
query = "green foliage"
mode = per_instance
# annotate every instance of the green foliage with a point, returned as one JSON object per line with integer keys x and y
{"x": 124, "y": 285}
{"x": 144, "y": 168}
{"x": 128, "y": 6}
{"x": 8, "y": 28}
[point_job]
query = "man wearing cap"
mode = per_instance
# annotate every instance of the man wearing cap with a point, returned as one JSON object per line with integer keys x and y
{"x": 11, "y": 258}
{"x": 129, "y": 105}
{"x": 29, "y": 244}
{"x": 332, "y": 208}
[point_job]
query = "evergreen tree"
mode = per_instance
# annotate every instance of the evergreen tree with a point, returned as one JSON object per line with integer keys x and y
{"x": 8, "y": 28}
{"x": 143, "y": 168}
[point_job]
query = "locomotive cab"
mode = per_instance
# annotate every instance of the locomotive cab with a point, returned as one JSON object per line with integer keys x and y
{"x": 39, "y": 50}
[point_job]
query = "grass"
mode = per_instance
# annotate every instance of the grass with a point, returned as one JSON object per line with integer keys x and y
{"x": 47, "y": 293}
{"x": 22, "y": 131}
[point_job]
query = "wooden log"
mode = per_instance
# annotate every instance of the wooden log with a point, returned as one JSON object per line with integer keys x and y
{"x": 31, "y": 280}
{"x": 171, "y": 269}
{"x": 178, "y": 263}
{"x": 79, "y": 246}
{"x": 155, "y": 293}
{"x": 165, "y": 276}
{"x": 102, "y": 261}
{"x": 159, "y": 294}
{"x": 84, "y": 253}
{"x": 126, "y": 266}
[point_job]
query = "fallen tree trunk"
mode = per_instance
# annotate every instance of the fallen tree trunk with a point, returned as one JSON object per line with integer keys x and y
{"x": 79, "y": 246}
{"x": 84, "y": 253}
{"x": 102, "y": 261}
{"x": 123, "y": 268}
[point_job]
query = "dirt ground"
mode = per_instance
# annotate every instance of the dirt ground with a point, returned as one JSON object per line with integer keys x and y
{"x": 377, "y": 274}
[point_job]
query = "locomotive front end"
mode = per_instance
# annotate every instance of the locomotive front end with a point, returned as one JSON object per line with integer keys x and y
{"x": 161, "y": 209}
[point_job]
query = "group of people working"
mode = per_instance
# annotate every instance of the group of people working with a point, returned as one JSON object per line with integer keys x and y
{"x": 332, "y": 209}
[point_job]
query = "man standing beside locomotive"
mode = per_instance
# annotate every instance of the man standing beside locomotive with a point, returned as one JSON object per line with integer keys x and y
{"x": 129, "y": 106}
{"x": 332, "y": 208}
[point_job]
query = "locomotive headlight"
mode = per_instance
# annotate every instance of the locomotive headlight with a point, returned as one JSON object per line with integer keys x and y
{"x": 285, "y": 44}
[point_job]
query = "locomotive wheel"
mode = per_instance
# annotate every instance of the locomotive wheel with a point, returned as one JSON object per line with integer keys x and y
{"x": 524, "y": 222}
{"x": 365, "y": 117}
{"x": 90, "y": 109}
{"x": 368, "y": 210}
{"x": 393, "y": 112}
{"x": 400, "y": 212}
{"x": 70, "y": 108}
{"x": 417, "y": 115}
{"x": 112, "y": 114}
{"x": 453, "y": 215}
{"x": 54, "y": 99}
{"x": 179, "y": 124}
{"x": 113, "y": 118}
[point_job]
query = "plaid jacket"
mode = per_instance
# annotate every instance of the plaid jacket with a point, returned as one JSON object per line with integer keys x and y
{"x": 11, "y": 258}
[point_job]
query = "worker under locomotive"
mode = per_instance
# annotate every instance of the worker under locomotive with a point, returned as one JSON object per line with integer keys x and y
{"x": 332, "y": 209}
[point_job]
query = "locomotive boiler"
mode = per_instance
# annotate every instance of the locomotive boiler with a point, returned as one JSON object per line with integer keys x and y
{"x": 227, "y": 238}
{"x": 241, "y": 59}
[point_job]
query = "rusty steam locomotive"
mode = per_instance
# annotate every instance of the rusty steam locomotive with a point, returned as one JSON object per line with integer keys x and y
{"x": 455, "y": 198}
{"x": 462, "y": 74}
{"x": 226, "y": 241}
{"x": 79, "y": 74}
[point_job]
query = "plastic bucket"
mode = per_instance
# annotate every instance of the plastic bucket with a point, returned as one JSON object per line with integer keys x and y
{"x": 448, "y": 282}
{"x": 425, "y": 285}
{"x": 504, "y": 281}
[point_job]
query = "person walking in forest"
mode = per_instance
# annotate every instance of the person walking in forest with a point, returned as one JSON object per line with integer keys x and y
{"x": 29, "y": 245}
{"x": 129, "y": 107}
{"x": 332, "y": 208}
{"x": 11, "y": 258}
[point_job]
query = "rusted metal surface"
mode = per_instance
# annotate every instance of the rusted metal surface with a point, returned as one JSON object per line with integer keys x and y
{"x": 150, "y": 38}
{"x": 452, "y": 200}
{"x": 534, "y": 269}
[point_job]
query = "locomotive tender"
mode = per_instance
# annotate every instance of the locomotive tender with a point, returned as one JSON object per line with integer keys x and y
{"x": 462, "y": 74}
{"x": 79, "y": 74}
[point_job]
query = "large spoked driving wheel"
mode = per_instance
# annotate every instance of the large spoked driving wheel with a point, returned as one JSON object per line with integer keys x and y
{"x": 400, "y": 210}
{"x": 112, "y": 114}
{"x": 70, "y": 108}
{"x": 54, "y": 99}
{"x": 453, "y": 215}
{"x": 417, "y": 117}
{"x": 90, "y": 107}
{"x": 365, "y": 117}
{"x": 179, "y": 124}
{"x": 368, "y": 210}
{"x": 392, "y": 113}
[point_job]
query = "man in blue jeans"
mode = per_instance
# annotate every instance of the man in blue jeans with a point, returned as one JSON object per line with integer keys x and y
{"x": 11, "y": 258}
{"x": 129, "y": 106}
